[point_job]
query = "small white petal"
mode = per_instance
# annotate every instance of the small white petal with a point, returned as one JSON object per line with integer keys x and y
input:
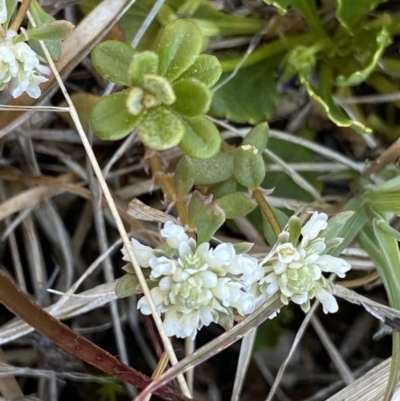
{"x": 162, "y": 266}
{"x": 243, "y": 264}
{"x": 174, "y": 234}
{"x": 3, "y": 11}
{"x": 165, "y": 283}
{"x": 280, "y": 267}
{"x": 209, "y": 279}
{"x": 222, "y": 255}
{"x": 314, "y": 225}
{"x": 299, "y": 298}
{"x": 143, "y": 253}
{"x": 327, "y": 300}
{"x": 331, "y": 264}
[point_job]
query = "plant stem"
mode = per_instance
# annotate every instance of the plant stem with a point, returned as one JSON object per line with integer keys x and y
{"x": 21, "y": 305}
{"x": 268, "y": 212}
{"x": 23, "y": 9}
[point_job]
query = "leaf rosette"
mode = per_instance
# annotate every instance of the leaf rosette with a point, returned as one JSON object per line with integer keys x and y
{"x": 168, "y": 92}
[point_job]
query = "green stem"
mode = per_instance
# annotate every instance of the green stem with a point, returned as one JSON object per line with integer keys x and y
{"x": 268, "y": 51}
{"x": 268, "y": 212}
{"x": 22, "y": 306}
{"x": 23, "y": 9}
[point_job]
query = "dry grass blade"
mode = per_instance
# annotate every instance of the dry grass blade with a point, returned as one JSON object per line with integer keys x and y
{"x": 387, "y": 315}
{"x": 370, "y": 387}
{"x": 8, "y": 385}
{"x": 243, "y": 363}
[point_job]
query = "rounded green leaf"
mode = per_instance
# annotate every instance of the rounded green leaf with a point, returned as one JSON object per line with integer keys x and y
{"x": 112, "y": 60}
{"x": 110, "y": 119}
{"x": 249, "y": 168}
{"x": 257, "y": 137}
{"x": 214, "y": 169}
{"x": 202, "y": 139}
{"x": 127, "y": 285}
{"x": 142, "y": 63}
{"x": 184, "y": 176}
{"x": 206, "y": 69}
{"x": 161, "y": 129}
{"x": 192, "y": 97}
{"x": 160, "y": 88}
{"x": 179, "y": 46}
{"x": 237, "y": 205}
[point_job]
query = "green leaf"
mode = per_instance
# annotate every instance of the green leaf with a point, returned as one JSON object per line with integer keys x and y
{"x": 195, "y": 206}
{"x": 269, "y": 233}
{"x": 112, "y": 60}
{"x": 192, "y": 97}
{"x": 209, "y": 220}
{"x": 225, "y": 187}
{"x": 142, "y": 63}
{"x": 214, "y": 169}
{"x": 249, "y": 97}
{"x": 335, "y": 228}
{"x": 257, "y": 137}
{"x": 368, "y": 48}
{"x": 127, "y": 286}
{"x": 179, "y": 46}
{"x": 236, "y": 205}
{"x": 160, "y": 88}
{"x": 206, "y": 69}
{"x": 161, "y": 129}
{"x": 51, "y": 31}
{"x": 41, "y": 17}
{"x": 384, "y": 200}
{"x": 11, "y": 5}
{"x": 184, "y": 176}
{"x": 110, "y": 120}
{"x": 248, "y": 167}
{"x": 202, "y": 139}
{"x": 349, "y": 13}
{"x": 322, "y": 96}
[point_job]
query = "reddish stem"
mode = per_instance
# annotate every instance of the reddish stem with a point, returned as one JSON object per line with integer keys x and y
{"x": 21, "y": 305}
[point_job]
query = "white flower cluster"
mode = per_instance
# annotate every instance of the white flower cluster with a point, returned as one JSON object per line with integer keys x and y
{"x": 197, "y": 285}
{"x": 296, "y": 271}
{"x": 194, "y": 285}
{"x": 20, "y": 69}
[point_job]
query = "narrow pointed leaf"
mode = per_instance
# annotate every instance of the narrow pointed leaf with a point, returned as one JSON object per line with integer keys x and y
{"x": 51, "y": 31}
{"x": 210, "y": 219}
{"x": 257, "y": 137}
{"x": 184, "y": 176}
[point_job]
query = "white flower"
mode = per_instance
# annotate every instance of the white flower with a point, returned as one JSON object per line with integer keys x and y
{"x": 295, "y": 270}
{"x": 3, "y": 11}
{"x": 143, "y": 253}
{"x": 20, "y": 68}
{"x": 198, "y": 285}
{"x": 174, "y": 234}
